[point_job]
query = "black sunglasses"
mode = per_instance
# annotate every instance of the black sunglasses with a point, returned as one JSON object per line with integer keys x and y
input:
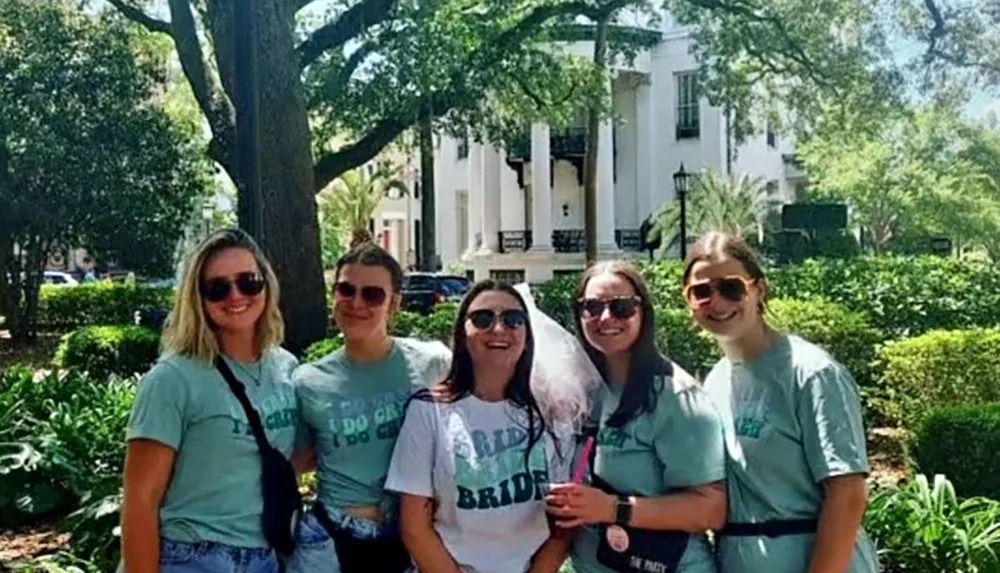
{"x": 484, "y": 319}
{"x": 371, "y": 295}
{"x": 622, "y": 308}
{"x": 733, "y": 289}
{"x": 217, "y": 289}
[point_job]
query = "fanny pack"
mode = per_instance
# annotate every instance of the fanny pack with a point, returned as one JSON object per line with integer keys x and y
{"x": 282, "y": 501}
{"x": 628, "y": 549}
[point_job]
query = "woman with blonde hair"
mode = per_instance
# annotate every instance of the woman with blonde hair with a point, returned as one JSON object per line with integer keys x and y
{"x": 193, "y": 499}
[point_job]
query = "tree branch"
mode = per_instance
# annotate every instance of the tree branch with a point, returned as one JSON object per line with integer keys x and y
{"x": 333, "y": 164}
{"x": 140, "y": 17}
{"x": 346, "y": 27}
{"x": 204, "y": 83}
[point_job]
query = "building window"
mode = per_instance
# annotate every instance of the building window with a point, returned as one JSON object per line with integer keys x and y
{"x": 772, "y": 139}
{"x": 463, "y": 148}
{"x": 688, "y": 100}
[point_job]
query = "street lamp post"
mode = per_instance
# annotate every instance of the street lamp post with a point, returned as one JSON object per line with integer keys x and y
{"x": 251, "y": 209}
{"x": 680, "y": 186}
{"x": 207, "y": 210}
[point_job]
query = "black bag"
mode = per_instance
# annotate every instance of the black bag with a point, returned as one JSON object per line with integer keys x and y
{"x": 627, "y": 549}
{"x": 282, "y": 501}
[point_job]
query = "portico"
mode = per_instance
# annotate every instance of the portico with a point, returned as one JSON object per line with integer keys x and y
{"x": 539, "y": 229}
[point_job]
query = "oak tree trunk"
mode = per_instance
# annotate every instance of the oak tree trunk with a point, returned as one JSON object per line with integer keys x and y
{"x": 428, "y": 246}
{"x": 291, "y": 230}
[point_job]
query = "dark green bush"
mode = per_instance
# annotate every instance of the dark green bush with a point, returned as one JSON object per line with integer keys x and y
{"x": 846, "y": 335}
{"x": 106, "y": 350}
{"x": 97, "y": 304}
{"x": 320, "y": 349}
{"x": 555, "y": 298}
{"x": 684, "y": 342}
{"x": 963, "y": 442}
{"x": 939, "y": 368}
{"x": 901, "y": 296}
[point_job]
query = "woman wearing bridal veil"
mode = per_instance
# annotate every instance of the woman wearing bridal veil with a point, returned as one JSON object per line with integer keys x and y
{"x": 477, "y": 452}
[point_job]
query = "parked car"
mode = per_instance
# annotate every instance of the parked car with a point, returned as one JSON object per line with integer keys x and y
{"x": 423, "y": 291}
{"x": 59, "y": 278}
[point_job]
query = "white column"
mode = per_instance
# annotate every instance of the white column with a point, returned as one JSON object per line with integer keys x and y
{"x": 645, "y": 196}
{"x": 491, "y": 202}
{"x": 606, "y": 184}
{"x": 474, "y": 212}
{"x": 541, "y": 189}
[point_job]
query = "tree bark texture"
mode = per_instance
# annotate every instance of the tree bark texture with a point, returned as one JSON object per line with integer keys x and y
{"x": 291, "y": 229}
{"x": 590, "y": 159}
{"x": 428, "y": 231}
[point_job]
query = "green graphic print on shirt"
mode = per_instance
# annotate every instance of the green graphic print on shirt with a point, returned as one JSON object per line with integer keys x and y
{"x": 277, "y": 412}
{"x": 490, "y": 472}
{"x": 364, "y": 418}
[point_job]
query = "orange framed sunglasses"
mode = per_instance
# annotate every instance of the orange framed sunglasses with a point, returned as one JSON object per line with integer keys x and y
{"x": 732, "y": 288}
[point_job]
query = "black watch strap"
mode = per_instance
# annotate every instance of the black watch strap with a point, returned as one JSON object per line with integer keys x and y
{"x": 623, "y": 510}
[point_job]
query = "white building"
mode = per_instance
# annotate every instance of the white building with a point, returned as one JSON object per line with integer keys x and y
{"x": 518, "y": 213}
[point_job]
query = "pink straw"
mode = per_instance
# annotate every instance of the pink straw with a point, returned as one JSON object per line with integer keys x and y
{"x": 583, "y": 461}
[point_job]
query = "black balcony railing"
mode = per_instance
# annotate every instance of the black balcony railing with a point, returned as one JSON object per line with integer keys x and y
{"x": 569, "y": 241}
{"x": 563, "y": 144}
{"x": 515, "y": 241}
{"x": 629, "y": 240}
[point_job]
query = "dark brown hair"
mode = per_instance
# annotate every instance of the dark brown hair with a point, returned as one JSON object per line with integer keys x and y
{"x": 645, "y": 361}
{"x": 718, "y": 245}
{"x": 460, "y": 380}
{"x": 372, "y": 255}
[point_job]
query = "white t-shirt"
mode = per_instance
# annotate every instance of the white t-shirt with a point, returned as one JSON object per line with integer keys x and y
{"x": 469, "y": 457}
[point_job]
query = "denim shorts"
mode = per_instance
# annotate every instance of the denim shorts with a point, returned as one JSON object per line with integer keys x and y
{"x": 206, "y": 557}
{"x": 314, "y": 550}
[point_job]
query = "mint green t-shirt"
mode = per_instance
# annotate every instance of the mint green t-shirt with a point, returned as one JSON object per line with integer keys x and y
{"x": 354, "y": 412}
{"x": 678, "y": 445}
{"x": 215, "y": 492}
{"x": 792, "y": 419}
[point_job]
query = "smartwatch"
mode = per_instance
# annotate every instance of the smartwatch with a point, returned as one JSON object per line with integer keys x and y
{"x": 623, "y": 510}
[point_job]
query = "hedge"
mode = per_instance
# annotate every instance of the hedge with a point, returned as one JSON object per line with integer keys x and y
{"x": 105, "y": 350}
{"x": 939, "y": 368}
{"x": 962, "y": 441}
{"x": 845, "y": 334}
{"x": 900, "y": 296}
{"x": 97, "y": 304}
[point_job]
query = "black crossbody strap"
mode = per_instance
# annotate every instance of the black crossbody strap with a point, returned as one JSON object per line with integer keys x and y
{"x": 241, "y": 394}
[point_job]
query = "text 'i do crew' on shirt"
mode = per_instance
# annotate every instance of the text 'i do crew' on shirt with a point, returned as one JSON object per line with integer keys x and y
{"x": 354, "y": 412}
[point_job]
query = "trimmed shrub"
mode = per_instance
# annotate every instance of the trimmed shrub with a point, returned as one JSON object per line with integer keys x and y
{"x": 846, "y": 335}
{"x": 97, "y": 304}
{"x": 939, "y": 368}
{"x": 320, "y": 349}
{"x": 963, "y": 442}
{"x": 684, "y": 342}
{"x": 105, "y": 350}
{"x": 902, "y": 296}
{"x": 555, "y": 298}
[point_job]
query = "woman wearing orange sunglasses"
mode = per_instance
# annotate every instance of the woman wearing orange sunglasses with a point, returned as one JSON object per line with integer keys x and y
{"x": 796, "y": 458}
